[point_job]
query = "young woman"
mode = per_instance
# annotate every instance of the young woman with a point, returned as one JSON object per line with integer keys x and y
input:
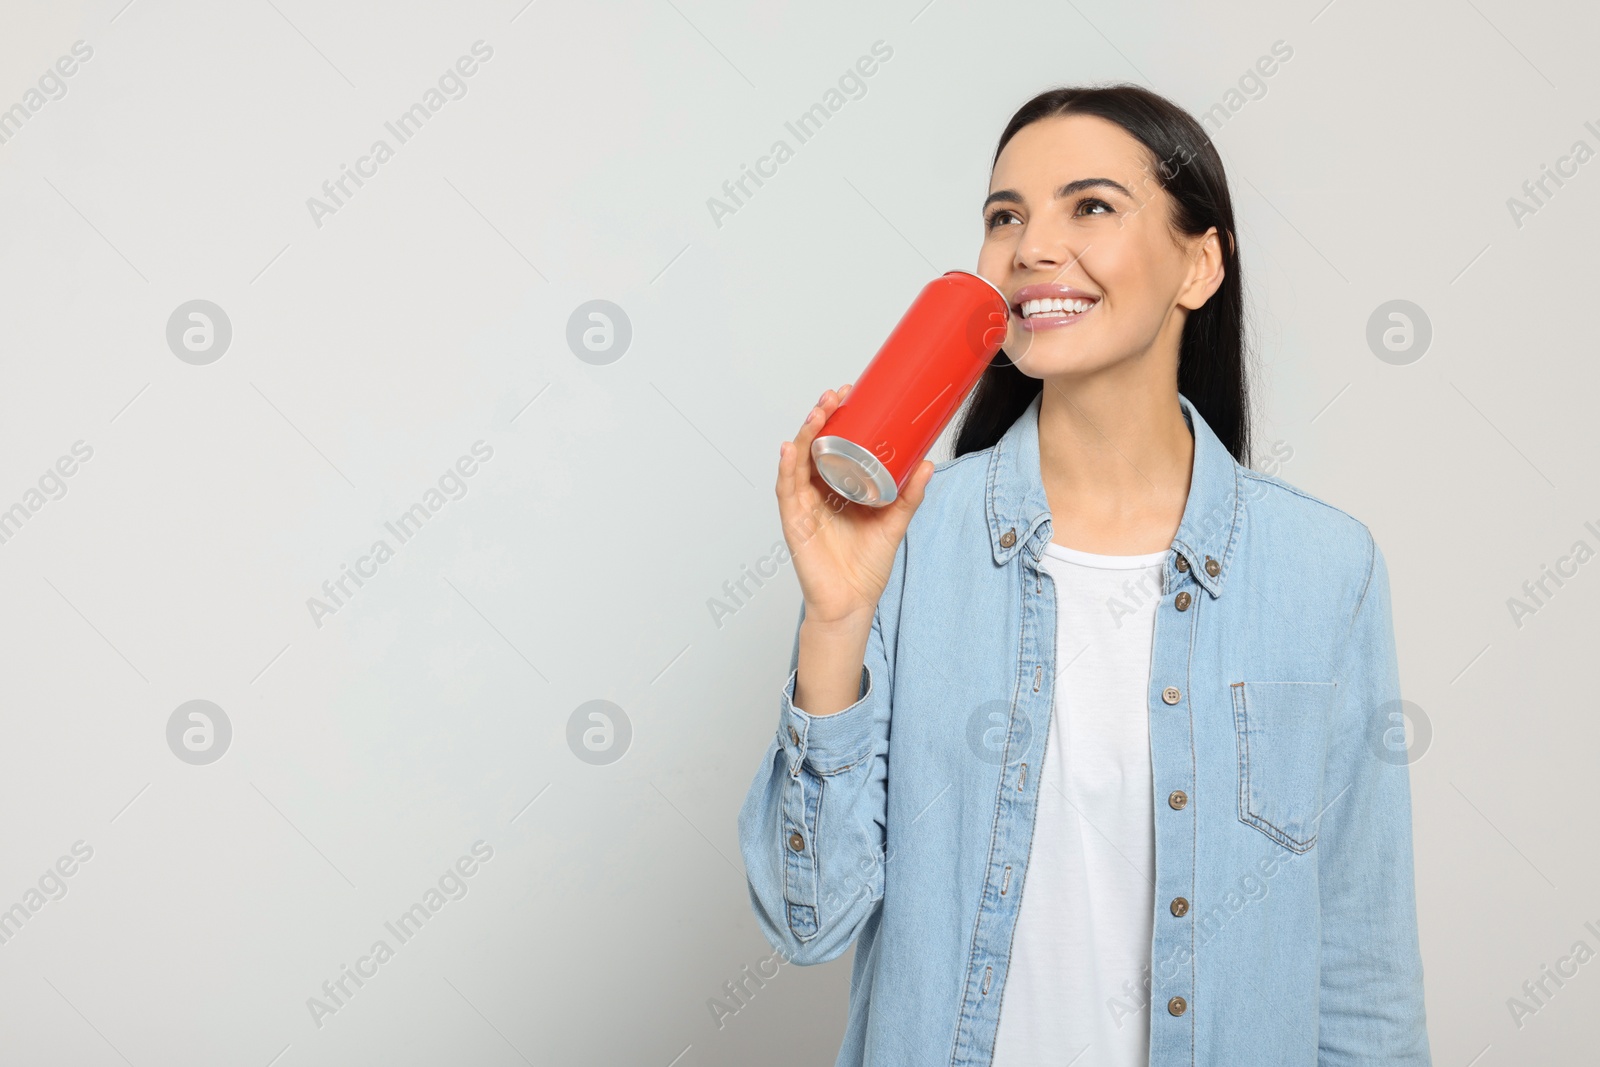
{"x": 1081, "y": 744}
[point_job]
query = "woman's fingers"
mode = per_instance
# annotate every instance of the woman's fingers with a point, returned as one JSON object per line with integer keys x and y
{"x": 795, "y": 468}
{"x": 823, "y": 410}
{"x": 808, "y": 429}
{"x": 796, "y": 495}
{"x": 798, "y": 470}
{"x": 785, "y": 484}
{"x": 802, "y": 451}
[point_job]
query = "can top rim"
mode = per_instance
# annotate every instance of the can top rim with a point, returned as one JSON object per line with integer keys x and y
{"x": 1003, "y": 301}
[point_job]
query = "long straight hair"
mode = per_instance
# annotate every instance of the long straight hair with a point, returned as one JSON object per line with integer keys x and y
{"x": 1211, "y": 352}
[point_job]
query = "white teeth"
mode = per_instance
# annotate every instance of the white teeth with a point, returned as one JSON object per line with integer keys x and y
{"x": 1031, "y": 308}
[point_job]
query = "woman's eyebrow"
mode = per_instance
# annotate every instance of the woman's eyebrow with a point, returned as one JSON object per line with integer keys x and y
{"x": 1011, "y": 196}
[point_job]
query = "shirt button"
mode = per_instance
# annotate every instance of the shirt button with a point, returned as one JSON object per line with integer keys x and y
{"x": 1008, "y": 538}
{"x": 1180, "y": 907}
{"x": 1171, "y": 695}
{"x": 797, "y": 842}
{"x": 792, "y": 735}
{"x": 1177, "y": 798}
{"x": 1182, "y": 601}
{"x": 1212, "y": 566}
{"x": 1177, "y": 1005}
{"x": 1183, "y": 565}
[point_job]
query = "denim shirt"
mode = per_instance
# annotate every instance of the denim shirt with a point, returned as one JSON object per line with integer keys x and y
{"x": 1285, "y": 916}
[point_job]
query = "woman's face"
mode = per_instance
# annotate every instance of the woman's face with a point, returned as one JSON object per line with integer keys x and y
{"x": 1076, "y": 214}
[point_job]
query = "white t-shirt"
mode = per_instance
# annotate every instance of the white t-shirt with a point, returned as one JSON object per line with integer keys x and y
{"x": 1078, "y": 987}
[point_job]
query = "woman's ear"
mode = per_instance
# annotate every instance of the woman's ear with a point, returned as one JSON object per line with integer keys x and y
{"x": 1207, "y": 271}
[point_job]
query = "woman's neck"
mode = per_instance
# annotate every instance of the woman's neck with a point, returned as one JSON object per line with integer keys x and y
{"x": 1115, "y": 458}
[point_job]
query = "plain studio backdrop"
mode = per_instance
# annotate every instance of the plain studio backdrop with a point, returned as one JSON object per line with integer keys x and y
{"x": 232, "y": 371}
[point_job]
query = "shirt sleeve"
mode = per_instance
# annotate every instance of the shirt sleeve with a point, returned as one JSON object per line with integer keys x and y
{"x": 813, "y": 825}
{"x": 1371, "y": 979}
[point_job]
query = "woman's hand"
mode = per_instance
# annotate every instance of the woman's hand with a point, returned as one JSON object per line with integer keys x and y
{"x": 843, "y": 552}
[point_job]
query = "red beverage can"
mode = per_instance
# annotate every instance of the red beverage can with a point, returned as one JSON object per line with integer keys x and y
{"x": 912, "y": 388}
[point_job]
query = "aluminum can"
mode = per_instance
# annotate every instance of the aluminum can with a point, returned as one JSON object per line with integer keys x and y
{"x": 912, "y": 388}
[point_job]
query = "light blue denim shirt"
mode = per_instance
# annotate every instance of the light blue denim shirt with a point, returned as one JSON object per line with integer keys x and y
{"x": 1285, "y": 916}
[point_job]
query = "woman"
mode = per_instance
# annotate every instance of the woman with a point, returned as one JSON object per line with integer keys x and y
{"x": 1081, "y": 741}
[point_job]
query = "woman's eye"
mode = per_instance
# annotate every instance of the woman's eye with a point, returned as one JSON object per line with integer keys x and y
{"x": 1087, "y": 206}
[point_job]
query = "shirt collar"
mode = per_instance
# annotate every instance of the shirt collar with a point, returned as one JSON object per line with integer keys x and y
{"x": 1019, "y": 513}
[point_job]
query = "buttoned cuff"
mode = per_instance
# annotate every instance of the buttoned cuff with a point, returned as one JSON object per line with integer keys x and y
{"x": 827, "y": 744}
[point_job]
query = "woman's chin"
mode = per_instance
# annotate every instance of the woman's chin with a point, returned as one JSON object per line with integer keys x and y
{"x": 1050, "y": 361}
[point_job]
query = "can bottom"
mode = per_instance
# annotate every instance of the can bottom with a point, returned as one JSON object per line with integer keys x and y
{"x": 853, "y": 472}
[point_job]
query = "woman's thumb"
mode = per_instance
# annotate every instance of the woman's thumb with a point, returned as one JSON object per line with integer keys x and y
{"x": 916, "y": 486}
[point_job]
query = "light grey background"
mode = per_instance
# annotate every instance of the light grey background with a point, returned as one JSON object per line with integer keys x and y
{"x": 431, "y": 312}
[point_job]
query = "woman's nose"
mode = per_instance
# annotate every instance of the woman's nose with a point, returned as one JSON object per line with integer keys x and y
{"x": 1041, "y": 249}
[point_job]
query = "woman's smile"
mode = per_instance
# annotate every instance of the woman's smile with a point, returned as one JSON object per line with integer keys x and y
{"x": 1048, "y": 306}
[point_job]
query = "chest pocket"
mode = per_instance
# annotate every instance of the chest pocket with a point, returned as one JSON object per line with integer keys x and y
{"x": 1282, "y": 730}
